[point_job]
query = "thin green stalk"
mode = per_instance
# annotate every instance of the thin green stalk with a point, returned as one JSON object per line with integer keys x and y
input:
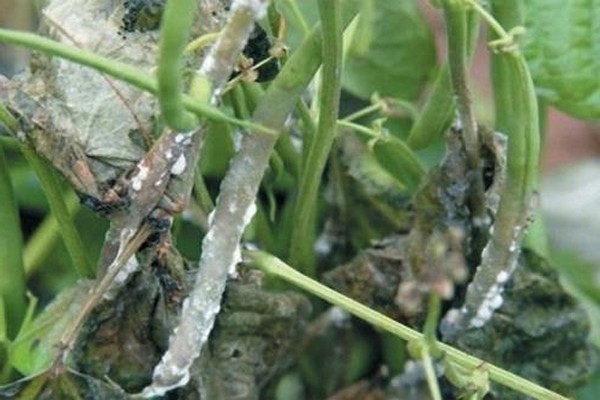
{"x": 176, "y": 23}
{"x": 438, "y": 111}
{"x": 12, "y": 276}
{"x": 274, "y": 266}
{"x": 457, "y": 32}
{"x": 54, "y": 195}
{"x": 309, "y": 127}
{"x": 7, "y": 119}
{"x": 364, "y": 112}
{"x": 434, "y": 310}
{"x": 432, "y": 381}
{"x": 123, "y": 71}
{"x": 45, "y": 237}
{"x": 303, "y": 233}
{"x": 299, "y": 17}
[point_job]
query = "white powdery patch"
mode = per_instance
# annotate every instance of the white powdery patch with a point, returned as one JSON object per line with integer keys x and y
{"x": 232, "y": 272}
{"x": 168, "y": 370}
{"x": 248, "y": 215}
{"x": 179, "y": 165}
{"x": 184, "y": 138}
{"x": 259, "y": 7}
{"x": 129, "y": 268}
{"x": 199, "y": 310}
{"x": 138, "y": 180}
{"x": 338, "y": 316}
{"x": 492, "y": 301}
{"x": 323, "y": 244}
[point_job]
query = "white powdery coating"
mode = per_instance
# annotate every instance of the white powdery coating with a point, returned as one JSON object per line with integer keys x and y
{"x": 169, "y": 370}
{"x": 179, "y": 165}
{"x": 338, "y": 316}
{"x": 198, "y": 312}
{"x": 502, "y": 277}
{"x": 184, "y": 138}
{"x": 138, "y": 180}
{"x": 492, "y": 301}
{"x": 130, "y": 267}
{"x": 237, "y": 258}
{"x": 259, "y": 7}
{"x": 248, "y": 215}
{"x": 323, "y": 245}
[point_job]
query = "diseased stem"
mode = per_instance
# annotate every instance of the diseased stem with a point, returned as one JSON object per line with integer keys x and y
{"x": 223, "y": 56}
{"x": 176, "y": 23}
{"x": 303, "y": 233}
{"x": 457, "y": 34}
{"x": 234, "y": 209}
{"x": 274, "y": 266}
{"x": 517, "y": 117}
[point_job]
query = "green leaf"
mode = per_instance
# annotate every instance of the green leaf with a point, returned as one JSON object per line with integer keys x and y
{"x": 400, "y": 57}
{"x": 37, "y": 344}
{"x": 562, "y": 47}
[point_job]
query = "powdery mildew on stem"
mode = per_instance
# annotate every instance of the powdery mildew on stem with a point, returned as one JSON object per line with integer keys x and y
{"x": 234, "y": 210}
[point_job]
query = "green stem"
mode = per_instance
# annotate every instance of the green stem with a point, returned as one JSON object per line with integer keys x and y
{"x": 303, "y": 233}
{"x": 274, "y": 266}
{"x": 299, "y": 17}
{"x": 43, "y": 240}
{"x": 308, "y": 127}
{"x": 433, "y": 316}
{"x": 53, "y": 191}
{"x": 12, "y": 276}
{"x": 7, "y": 119}
{"x": 438, "y": 110}
{"x": 125, "y": 72}
{"x": 176, "y": 23}
{"x": 432, "y": 381}
{"x": 364, "y": 112}
{"x": 457, "y": 32}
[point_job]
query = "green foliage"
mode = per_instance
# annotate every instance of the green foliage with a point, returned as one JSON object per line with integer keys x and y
{"x": 362, "y": 178}
{"x": 400, "y": 56}
{"x": 561, "y": 47}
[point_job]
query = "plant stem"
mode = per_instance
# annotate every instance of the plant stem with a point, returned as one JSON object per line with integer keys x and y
{"x": 54, "y": 194}
{"x": 123, "y": 71}
{"x": 364, "y": 112}
{"x": 274, "y": 266}
{"x": 12, "y": 276}
{"x": 7, "y": 119}
{"x": 457, "y": 33}
{"x": 303, "y": 233}
{"x": 438, "y": 110}
{"x": 176, "y": 23}
{"x": 43, "y": 240}
{"x": 432, "y": 381}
